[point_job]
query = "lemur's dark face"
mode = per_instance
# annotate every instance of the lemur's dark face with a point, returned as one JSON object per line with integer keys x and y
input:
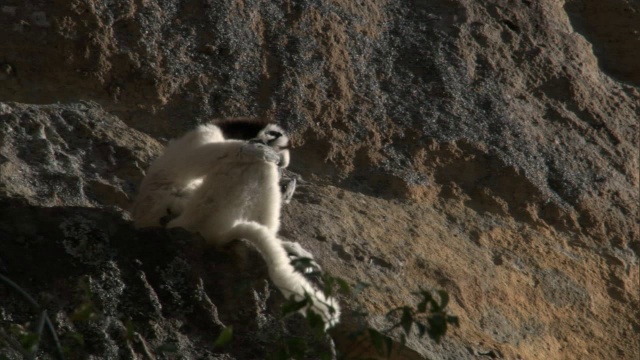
{"x": 242, "y": 128}
{"x": 254, "y": 130}
{"x": 272, "y": 136}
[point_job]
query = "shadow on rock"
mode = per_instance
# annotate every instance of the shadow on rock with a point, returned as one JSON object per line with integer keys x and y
{"x": 114, "y": 291}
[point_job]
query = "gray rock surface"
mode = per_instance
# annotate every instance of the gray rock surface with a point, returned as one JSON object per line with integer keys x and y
{"x": 486, "y": 148}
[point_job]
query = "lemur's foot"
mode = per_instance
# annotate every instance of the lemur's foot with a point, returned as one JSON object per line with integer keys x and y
{"x": 302, "y": 260}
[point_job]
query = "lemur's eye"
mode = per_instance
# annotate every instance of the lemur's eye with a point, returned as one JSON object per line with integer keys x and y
{"x": 275, "y": 134}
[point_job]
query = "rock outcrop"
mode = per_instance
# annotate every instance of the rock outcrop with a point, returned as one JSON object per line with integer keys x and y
{"x": 489, "y": 149}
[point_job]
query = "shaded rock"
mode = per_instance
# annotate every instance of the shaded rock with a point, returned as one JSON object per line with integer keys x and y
{"x": 123, "y": 293}
{"x": 71, "y": 155}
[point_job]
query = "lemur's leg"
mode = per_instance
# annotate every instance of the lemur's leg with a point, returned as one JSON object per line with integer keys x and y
{"x": 290, "y": 281}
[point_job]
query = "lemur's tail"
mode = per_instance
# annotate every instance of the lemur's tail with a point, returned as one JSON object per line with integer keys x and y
{"x": 283, "y": 274}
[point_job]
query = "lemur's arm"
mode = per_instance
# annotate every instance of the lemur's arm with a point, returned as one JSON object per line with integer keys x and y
{"x": 196, "y": 162}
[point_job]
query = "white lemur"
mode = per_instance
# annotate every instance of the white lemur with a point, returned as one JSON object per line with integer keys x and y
{"x": 160, "y": 200}
{"x": 229, "y": 189}
{"x": 157, "y": 203}
{"x": 259, "y": 130}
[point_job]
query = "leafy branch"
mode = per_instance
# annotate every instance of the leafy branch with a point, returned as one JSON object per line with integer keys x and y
{"x": 429, "y": 317}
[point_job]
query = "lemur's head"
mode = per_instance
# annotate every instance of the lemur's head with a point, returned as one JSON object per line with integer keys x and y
{"x": 254, "y": 130}
{"x": 274, "y": 136}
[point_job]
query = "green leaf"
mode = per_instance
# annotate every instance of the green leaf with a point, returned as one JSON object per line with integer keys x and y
{"x": 382, "y": 343}
{"x": 279, "y": 354}
{"x": 84, "y": 284}
{"x": 224, "y": 337}
{"x": 292, "y": 305}
{"x": 130, "y": 330}
{"x": 328, "y": 284}
{"x": 323, "y": 356}
{"x": 76, "y": 337}
{"x": 296, "y": 348}
{"x": 345, "y": 289}
{"x": 84, "y": 312}
{"x": 302, "y": 264}
{"x": 315, "y": 321}
{"x": 389, "y": 343}
{"x": 29, "y": 341}
{"x": 378, "y": 341}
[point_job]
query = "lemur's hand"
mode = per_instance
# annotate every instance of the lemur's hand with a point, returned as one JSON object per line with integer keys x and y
{"x": 287, "y": 187}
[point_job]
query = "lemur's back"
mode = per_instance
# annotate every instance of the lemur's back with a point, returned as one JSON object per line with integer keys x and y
{"x": 169, "y": 174}
{"x": 233, "y": 192}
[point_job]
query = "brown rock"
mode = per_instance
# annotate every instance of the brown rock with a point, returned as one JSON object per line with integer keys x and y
{"x": 486, "y": 148}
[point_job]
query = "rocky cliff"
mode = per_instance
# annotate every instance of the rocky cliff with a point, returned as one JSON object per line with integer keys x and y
{"x": 489, "y": 149}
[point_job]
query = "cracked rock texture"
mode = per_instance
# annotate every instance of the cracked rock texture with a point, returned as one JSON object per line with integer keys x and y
{"x": 486, "y": 148}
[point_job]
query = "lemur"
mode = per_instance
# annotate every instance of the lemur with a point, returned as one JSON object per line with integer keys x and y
{"x": 157, "y": 204}
{"x": 229, "y": 189}
{"x": 259, "y": 130}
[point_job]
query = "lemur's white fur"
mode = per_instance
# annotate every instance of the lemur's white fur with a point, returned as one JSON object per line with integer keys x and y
{"x": 227, "y": 190}
{"x": 164, "y": 194}
{"x": 167, "y": 181}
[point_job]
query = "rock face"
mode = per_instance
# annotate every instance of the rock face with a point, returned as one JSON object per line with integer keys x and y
{"x": 114, "y": 292}
{"x": 486, "y": 148}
